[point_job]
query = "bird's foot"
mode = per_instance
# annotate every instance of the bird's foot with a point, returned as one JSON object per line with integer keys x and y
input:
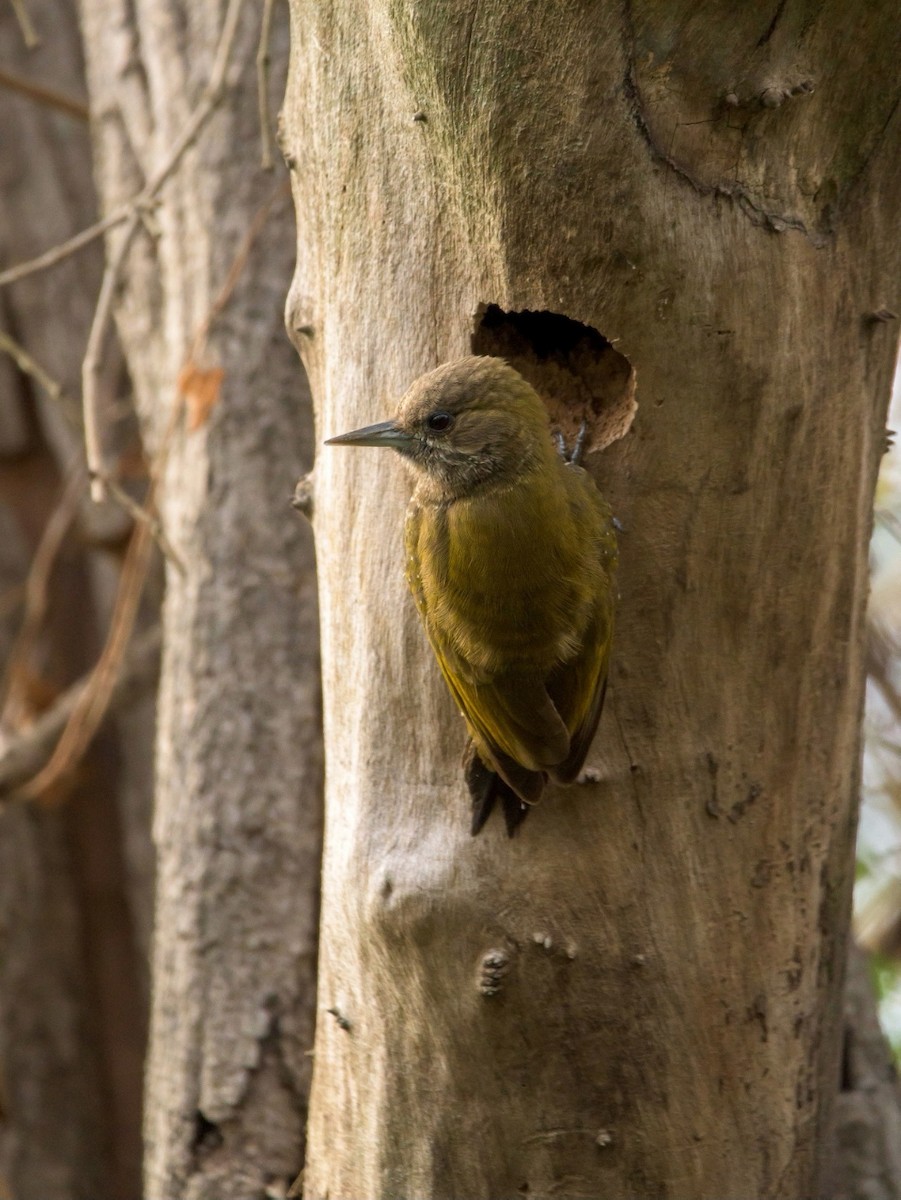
{"x": 574, "y": 456}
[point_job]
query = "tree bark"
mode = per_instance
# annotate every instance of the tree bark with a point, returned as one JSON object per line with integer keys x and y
{"x": 712, "y": 192}
{"x": 237, "y": 820}
{"x": 72, "y": 985}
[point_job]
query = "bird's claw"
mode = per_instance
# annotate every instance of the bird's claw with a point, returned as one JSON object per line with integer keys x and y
{"x": 573, "y": 457}
{"x": 576, "y": 457}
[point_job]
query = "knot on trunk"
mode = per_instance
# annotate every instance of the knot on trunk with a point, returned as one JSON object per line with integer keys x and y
{"x": 493, "y": 968}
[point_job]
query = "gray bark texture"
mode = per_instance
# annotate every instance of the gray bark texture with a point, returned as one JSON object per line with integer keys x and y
{"x": 639, "y": 995}
{"x": 72, "y": 983}
{"x": 238, "y": 800}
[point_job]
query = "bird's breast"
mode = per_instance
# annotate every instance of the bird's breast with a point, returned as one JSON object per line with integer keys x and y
{"x": 504, "y": 577}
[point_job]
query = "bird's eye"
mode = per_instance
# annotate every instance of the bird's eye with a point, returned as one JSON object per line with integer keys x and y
{"x": 438, "y": 422}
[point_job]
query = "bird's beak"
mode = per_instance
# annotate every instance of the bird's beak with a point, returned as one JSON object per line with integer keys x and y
{"x": 385, "y": 433}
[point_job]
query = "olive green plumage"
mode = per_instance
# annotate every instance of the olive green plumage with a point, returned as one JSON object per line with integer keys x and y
{"x": 511, "y": 557}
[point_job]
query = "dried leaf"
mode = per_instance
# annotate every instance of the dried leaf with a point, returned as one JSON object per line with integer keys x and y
{"x": 200, "y": 387}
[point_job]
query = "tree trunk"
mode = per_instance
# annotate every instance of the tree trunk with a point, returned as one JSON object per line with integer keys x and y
{"x": 237, "y": 819}
{"x": 639, "y": 995}
{"x": 72, "y": 980}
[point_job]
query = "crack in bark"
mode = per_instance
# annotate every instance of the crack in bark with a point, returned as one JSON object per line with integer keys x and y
{"x": 207, "y": 1135}
{"x": 210, "y": 1136}
{"x": 136, "y": 58}
{"x": 467, "y": 48}
{"x": 271, "y": 1040}
{"x": 777, "y": 222}
{"x": 634, "y": 768}
{"x": 771, "y": 28}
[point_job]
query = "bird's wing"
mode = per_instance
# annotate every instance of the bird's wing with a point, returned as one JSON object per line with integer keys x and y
{"x": 577, "y": 688}
{"x": 511, "y": 718}
{"x": 512, "y": 715}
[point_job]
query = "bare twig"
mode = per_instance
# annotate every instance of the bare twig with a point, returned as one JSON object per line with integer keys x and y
{"x": 57, "y": 254}
{"x": 91, "y": 704}
{"x": 41, "y": 94}
{"x": 27, "y": 753}
{"x": 135, "y": 510}
{"x": 266, "y": 161}
{"x": 53, "y": 388}
{"x": 55, "y": 391}
{"x": 236, "y": 268}
{"x": 93, "y": 357}
{"x": 143, "y": 199}
{"x": 878, "y": 656}
{"x": 30, "y": 366}
{"x": 199, "y": 387}
{"x": 889, "y": 694}
{"x": 36, "y": 589}
{"x": 29, "y": 34}
{"x": 889, "y": 521}
{"x": 90, "y": 373}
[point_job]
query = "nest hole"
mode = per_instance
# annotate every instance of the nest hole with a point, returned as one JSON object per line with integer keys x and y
{"x": 578, "y": 373}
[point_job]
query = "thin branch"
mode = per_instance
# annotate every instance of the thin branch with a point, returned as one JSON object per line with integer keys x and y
{"x": 143, "y": 199}
{"x": 224, "y": 49}
{"x": 146, "y": 515}
{"x": 235, "y": 270}
{"x": 93, "y": 700}
{"x": 889, "y": 521}
{"x": 889, "y": 694}
{"x": 90, "y": 372}
{"x": 57, "y": 254}
{"x": 30, "y": 366}
{"x": 884, "y": 743}
{"x": 90, "y": 705}
{"x": 93, "y": 357}
{"x": 263, "y": 60}
{"x": 29, "y": 34}
{"x": 27, "y": 753}
{"x": 53, "y": 388}
{"x": 47, "y": 96}
{"x": 36, "y": 592}
{"x": 877, "y": 669}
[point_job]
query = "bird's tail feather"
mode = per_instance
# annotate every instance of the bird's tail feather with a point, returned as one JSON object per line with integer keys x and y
{"x": 486, "y": 787}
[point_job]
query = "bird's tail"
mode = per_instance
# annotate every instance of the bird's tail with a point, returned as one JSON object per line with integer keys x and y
{"x": 485, "y": 787}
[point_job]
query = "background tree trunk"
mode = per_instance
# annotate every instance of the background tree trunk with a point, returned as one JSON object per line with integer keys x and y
{"x": 237, "y": 821}
{"x": 76, "y": 877}
{"x": 713, "y": 192}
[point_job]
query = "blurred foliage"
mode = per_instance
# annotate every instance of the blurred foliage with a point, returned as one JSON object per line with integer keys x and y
{"x": 877, "y": 893}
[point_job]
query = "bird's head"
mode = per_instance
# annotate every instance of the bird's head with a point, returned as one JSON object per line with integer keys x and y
{"x": 469, "y": 424}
